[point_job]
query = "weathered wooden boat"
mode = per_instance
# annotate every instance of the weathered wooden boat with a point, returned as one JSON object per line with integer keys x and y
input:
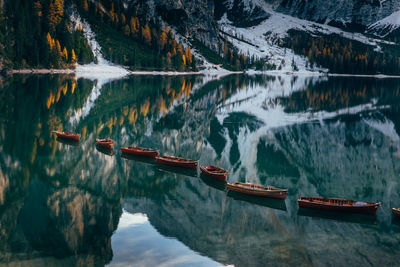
{"x": 68, "y": 136}
{"x": 338, "y": 204}
{"x": 140, "y": 151}
{"x": 177, "y": 162}
{"x": 258, "y": 190}
{"x": 396, "y": 212}
{"x": 106, "y": 143}
{"x": 215, "y": 172}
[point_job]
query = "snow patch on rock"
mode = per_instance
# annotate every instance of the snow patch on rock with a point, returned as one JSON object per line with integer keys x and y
{"x": 387, "y": 25}
{"x": 103, "y": 70}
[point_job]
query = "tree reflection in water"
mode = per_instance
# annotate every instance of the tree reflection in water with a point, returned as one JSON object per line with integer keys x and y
{"x": 61, "y": 204}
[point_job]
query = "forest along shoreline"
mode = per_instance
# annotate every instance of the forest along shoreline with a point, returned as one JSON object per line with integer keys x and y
{"x": 73, "y": 71}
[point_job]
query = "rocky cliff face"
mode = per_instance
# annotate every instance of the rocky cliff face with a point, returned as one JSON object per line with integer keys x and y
{"x": 193, "y": 19}
{"x": 343, "y": 13}
{"x": 241, "y": 13}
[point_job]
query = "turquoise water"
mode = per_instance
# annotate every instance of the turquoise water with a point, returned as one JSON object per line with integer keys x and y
{"x": 62, "y": 204}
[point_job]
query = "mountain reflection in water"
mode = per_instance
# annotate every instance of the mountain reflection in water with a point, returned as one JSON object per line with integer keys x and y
{"x": 62, "y": 204}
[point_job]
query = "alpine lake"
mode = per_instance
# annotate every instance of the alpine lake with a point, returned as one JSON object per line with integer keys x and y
{"x": 67, "y": 204}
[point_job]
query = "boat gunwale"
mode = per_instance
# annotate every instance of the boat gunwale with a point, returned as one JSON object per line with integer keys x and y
{"x": 142, "y": 149}
{"x": 239, "y": 186}
{"x": 66, "y": 133}
{"x": 332, "y": 204}
{"x": 180, "y": 160}
{"x": 223, "y": 173}
{"x": 103, "y": 141}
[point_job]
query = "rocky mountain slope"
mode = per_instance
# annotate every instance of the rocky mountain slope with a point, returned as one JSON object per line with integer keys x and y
{"x": 347, "y": 14}
{"x": 259, "y": 29}
{"x": 238, "y": 35}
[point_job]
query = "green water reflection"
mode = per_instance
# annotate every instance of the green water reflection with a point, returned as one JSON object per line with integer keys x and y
{"x": 61, "y": 203}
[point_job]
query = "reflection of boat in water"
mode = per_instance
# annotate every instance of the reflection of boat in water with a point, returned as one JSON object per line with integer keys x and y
{"x": 345, "y": 217}
{"x": 213, "y": 182}
{"x": 338, "y": 205}
{"x": 67, "y": 142}
{"x": 138, "y": 158}
{"x": 215, "y": 172}
{"x": 68, "y": 136}
{"x": 266, "y": 202}
{"x": 106, "y": 143}
{"x": 396, "y": 212}
{"x": 182, "y": 171}
{"x": 104, "y": 150}
{"x": 258, "y": 190}
{"x": 140, "y": 151}
{"x": 396, "y": 221}
{"x": 178, "y": 162}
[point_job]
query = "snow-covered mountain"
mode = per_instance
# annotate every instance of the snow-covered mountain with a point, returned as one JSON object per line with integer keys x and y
{"x": 340, "y": 12}
{"x": 261, "y": 26}
{"x": 386, "y": 26}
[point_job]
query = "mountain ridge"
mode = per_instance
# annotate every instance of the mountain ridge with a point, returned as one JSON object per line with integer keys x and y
{"x": 237, "y": 35}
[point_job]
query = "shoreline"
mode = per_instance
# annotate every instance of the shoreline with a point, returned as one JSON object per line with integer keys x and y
{"x": 41, "y": 71}
{"x": 74, "y": 71}
{"x": 203, "y": 72}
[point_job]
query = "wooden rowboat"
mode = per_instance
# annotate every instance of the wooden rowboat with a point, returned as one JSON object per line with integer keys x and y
{"x": 177, "y": 162}
{"x": 396, "y": 212}
{"x": 215, "y": 172}
{"x": 140, "y": 151}
{"x": 68, "y": 135}
{"x": 338, "y": 204}
{"x": 106, "y": 143}
{"x": 258, "y": 190}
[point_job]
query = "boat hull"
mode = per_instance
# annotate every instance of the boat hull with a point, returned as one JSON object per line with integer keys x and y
{"x": 278, "y": 194}
{"x": 220, "y": 177}
{"x": 182, "y": 164}
{"x": 105, "y": 144}
{"x": 75, "y": 138}
{"x": 108, "y": 146}
{"x": 367, "y": 209}
{"x": 106, "y": 151}
{"x": 148, "y": 154}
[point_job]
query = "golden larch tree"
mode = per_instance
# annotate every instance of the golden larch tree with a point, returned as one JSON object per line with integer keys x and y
{"x": 38, "y": 8}
{"x": 65, "y": 53}
{"x": 134, "y": 23}
{"x": 85, "y": 5}
{"x": 56, "y": 13}
{"x": 59, "y": 48}
{"x": 127, "y": 29}
{"x": 123, "y": 18}
{"x": 163, "y": 39}
{"x": 184, "y": 60}
{"x": 188, "y": 55}
{"x": 73, "y": 56}
{"x": 49, "y": 41}
{"x": 146, "y": 34}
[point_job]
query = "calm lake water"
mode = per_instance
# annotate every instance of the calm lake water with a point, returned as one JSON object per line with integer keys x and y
{"x": 62, "y": 204}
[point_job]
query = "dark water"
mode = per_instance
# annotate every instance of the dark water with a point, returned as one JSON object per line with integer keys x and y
{"x": 62, "y": 204}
